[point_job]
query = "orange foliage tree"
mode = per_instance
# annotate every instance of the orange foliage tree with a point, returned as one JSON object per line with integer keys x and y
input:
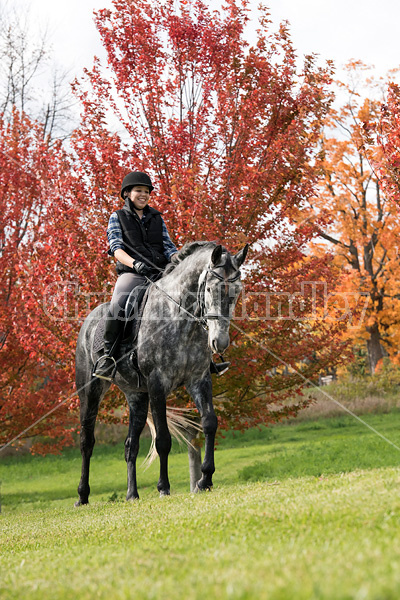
{"x": 228, "y": 132}
{"x": 360, "y": 222}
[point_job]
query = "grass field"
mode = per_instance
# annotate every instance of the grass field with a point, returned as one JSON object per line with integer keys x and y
{"x": 306, "y": 511}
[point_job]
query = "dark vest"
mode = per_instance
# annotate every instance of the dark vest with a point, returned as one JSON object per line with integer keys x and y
{"x": 142, "y": 240}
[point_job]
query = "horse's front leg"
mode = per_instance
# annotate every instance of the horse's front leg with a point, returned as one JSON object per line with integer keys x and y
{"x": 158, "y": 404}
{"x": 90, "y": 397}
{"x": 138, "y": 407}
{"x": 201, "y": 392}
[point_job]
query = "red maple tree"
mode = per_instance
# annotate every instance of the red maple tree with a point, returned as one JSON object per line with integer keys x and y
{"x": 227, "y": 131}
{"x": 388, "y": 137}
{"x": 32, "y": 379}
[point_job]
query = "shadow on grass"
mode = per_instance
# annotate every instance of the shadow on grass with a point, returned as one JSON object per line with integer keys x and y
{"x": 37, "y": 480}
{"x": 324, "y": 447}
{"x": 58, "y": 494}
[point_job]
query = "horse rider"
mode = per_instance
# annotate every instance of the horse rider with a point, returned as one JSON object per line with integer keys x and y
{"x": 140, "y": 242}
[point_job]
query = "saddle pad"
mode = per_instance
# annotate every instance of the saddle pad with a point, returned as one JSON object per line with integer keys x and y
{"x": 98, "y": 340}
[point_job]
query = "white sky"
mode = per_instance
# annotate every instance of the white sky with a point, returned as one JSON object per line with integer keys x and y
{"x": 344, "y": 29}
{"x": 336, "y": 29}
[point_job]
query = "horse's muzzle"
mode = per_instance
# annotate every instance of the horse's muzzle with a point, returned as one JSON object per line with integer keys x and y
{"x": 219, "y": 342}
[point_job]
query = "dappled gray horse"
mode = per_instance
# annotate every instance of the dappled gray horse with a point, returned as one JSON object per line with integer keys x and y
{"x": 185, "y": 319}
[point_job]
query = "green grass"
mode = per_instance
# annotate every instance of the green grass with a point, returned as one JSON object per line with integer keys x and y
{"x": 306, "y": 511}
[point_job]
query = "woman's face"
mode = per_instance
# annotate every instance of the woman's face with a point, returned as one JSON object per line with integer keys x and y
{"x": 139, "y": 196}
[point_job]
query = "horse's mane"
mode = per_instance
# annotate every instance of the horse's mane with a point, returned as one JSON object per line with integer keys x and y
{"x": 187, "y": 250}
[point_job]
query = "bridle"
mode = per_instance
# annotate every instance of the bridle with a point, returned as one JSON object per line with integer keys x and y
{"x": 200, "y": 306}
{"x": 199, "y": 313}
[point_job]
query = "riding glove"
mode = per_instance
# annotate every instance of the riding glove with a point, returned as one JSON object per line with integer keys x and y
{"x": 141, "y": 268}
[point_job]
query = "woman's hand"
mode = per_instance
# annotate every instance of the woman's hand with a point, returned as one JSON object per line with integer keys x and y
{"x": 141, "y": 268}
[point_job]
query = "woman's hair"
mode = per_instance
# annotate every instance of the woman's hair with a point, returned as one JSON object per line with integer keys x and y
{"x": 127, "y": 191}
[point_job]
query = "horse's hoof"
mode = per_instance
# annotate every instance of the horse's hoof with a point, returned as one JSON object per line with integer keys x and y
{"x": 81, "y": 503}
{"x": 164, "y": 493}
{"x": 201, "y": 487}
{"x": 132, "y": 498}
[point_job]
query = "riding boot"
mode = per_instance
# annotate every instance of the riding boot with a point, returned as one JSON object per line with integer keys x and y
{"x": 219, "y": 368}
{"x": 106, "y": 366}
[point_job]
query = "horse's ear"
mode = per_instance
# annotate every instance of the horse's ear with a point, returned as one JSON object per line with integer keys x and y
{"x": 216, "y": 255}
{"x": 241, "y": 255}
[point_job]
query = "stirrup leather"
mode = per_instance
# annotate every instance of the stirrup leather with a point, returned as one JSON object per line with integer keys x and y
{"x": 103, "y": 369}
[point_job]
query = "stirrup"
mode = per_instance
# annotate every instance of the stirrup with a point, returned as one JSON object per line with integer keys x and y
{"x": 219, "y": 368}
{"x": 103, "y": 369}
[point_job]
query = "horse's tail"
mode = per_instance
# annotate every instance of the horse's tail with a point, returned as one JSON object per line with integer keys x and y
{"x": 182, "y": 427}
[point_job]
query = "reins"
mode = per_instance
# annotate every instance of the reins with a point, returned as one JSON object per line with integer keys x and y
{"x": 198, "y": 319}
{"x": 200, "y": 306}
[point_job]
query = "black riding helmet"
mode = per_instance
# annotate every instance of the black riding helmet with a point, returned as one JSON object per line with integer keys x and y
{"x": 136, "y": 178}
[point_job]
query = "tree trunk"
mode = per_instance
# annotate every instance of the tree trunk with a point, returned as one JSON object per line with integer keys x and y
{"x": 375, "y": 349}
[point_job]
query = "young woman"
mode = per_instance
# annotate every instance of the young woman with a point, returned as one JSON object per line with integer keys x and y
{"x": 140, "y": 242}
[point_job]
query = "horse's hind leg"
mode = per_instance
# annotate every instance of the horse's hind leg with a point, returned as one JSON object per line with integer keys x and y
{"x": 90, "y": 396}
{"x": 201, "y": 392}
{"x": 138, "y": 407}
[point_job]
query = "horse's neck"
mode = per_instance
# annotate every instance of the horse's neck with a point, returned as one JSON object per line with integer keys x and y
{"x": 185, "y": 277}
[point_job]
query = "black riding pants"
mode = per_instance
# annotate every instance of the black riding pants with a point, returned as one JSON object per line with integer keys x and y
{"x": 126, "y": 282}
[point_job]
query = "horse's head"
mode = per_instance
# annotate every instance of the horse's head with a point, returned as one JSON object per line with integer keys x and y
{"x": 219, "y": 289}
